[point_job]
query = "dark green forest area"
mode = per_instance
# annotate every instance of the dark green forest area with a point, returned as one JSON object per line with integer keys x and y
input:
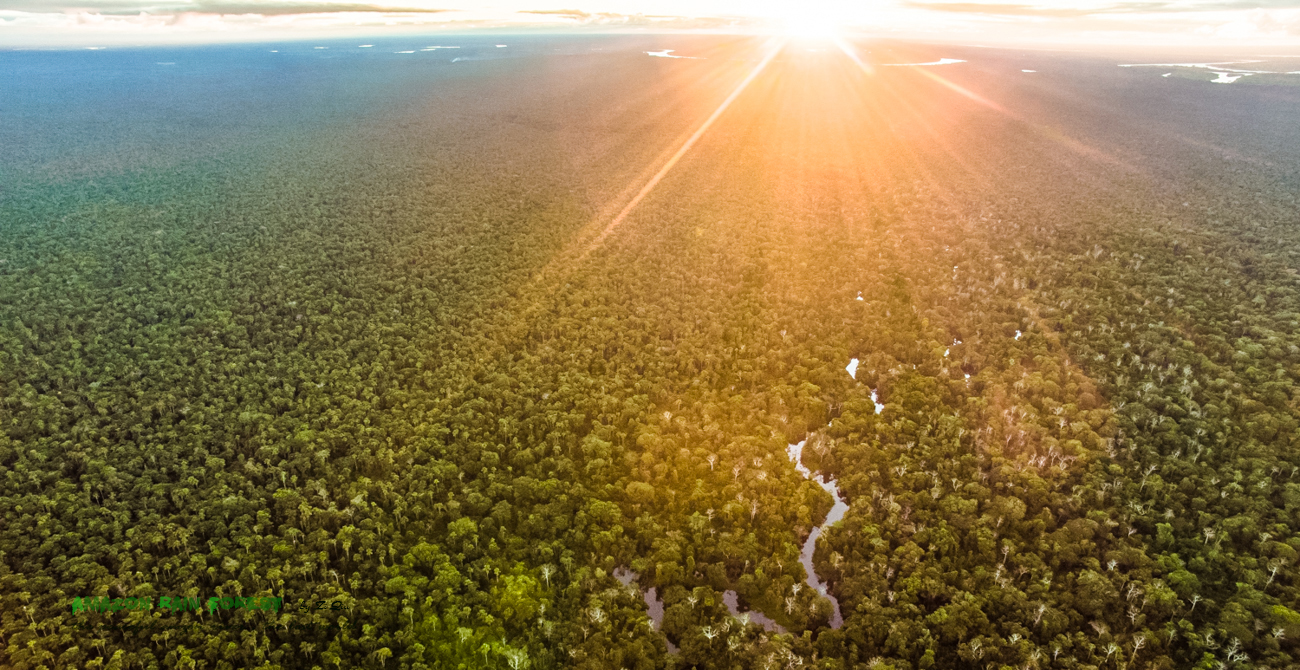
{"x": 393, "y": 357}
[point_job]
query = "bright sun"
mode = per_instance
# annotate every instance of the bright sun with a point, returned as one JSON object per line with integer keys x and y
{"x": 811, "y": 25}
{"x": 818, "y": 20}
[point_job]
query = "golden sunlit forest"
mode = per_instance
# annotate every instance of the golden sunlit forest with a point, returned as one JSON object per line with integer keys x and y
{"x": 647, "y": 352}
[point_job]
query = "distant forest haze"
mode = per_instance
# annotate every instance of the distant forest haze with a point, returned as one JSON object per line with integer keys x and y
{"x": 343, "y": 356}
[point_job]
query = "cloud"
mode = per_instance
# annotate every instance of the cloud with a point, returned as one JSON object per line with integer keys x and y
{"x": 1258, "y": 24}
{"x": 668, "y": 22}
{"x": 567, "y": 13}
{"x": 1038, "y": 22}
{"x": 1033, "y": 10}
{"x": 282, "y": 8}
{"x": 997, "y": 10}
{"x": 1005, "y": 9}
{"x": 1242, "y": 4}
{"x": 268, "y": 8}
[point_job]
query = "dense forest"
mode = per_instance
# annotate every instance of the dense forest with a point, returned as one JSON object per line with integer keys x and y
{"x": 388, "y": 361}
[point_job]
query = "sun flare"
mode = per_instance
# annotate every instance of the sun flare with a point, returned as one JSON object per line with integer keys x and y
{"x": 814, "y": 26}
{"x": 816, "y": 19}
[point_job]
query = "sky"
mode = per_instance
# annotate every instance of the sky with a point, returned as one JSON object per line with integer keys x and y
{"x": 1043, "y": 23}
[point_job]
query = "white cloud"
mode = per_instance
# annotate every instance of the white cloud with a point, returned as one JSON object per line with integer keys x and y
{"x": 1267, "y": 25}
{"x": 1046, "y": 22}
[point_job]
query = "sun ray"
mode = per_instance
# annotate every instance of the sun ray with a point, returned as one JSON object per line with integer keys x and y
{"x": 773, "y": 48}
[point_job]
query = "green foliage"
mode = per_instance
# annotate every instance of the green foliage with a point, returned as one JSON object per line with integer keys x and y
{"x": 389, "y": 361}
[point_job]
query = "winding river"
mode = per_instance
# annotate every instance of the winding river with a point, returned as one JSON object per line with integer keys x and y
{"x": 655, "y": 606}
{"x": 838, "y": 510}
{"x": 795, "y": 451}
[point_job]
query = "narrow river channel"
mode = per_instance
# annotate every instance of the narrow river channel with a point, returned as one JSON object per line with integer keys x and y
{"x": 655, "y": 606}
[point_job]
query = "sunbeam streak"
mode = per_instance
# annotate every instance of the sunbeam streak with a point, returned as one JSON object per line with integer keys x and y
{"x": 853, "y": 56}
{"x": 1038, "y": 128}
{"x": 773, "y": 49}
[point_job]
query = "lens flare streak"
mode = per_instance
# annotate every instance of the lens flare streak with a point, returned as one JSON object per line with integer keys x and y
{"x": 686, "y": 146}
